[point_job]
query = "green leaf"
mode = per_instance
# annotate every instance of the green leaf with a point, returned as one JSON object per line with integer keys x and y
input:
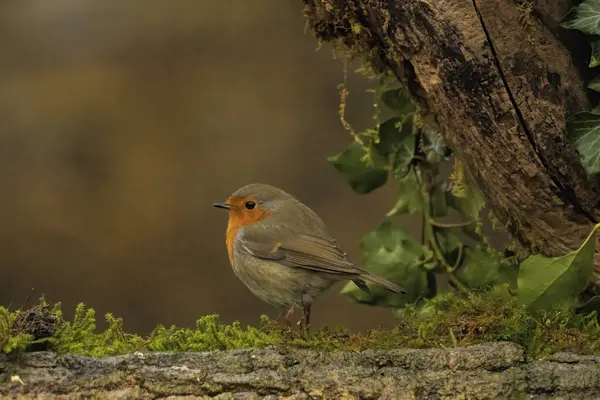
{"x": 583, "y": 131}
{"x": 585, "y": 17}
{"x": 449, "y": 243}
{"x": 396, "y": 138}
{"x": 546, "y": 282}
{"x": 400, "y": 101}
{"x": 469, "y": 205}
{"x": 389, "y": 133}
{"x": 361, "y": 177}
{"x": 469, "y": 208}
{"x": 485, "y": 268}
{"x": 596, "y": 110}
{"x": 595, "y": 84}
{"x": 404, "y": 149}
{"x": 439, "y": 201}
{"x": 595, "y": 56}
{"x": 391, "y": 253}
{"x": 434, "y": 145}
{"x": 410, "y": 198}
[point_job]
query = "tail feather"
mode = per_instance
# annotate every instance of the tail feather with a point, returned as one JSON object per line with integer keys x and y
{"x": 362, "y": 285}
{"x": 382, "y": 282}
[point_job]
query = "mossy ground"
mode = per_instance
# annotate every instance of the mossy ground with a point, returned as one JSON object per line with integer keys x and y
{"x": 445, "y": 322}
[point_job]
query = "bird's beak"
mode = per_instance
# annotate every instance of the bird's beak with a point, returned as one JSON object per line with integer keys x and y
{"x": 223, "y": 205}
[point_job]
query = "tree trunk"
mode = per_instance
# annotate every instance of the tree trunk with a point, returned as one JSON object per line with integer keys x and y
{"x": 487, "y": 371}
{"x": 501, "y": 84}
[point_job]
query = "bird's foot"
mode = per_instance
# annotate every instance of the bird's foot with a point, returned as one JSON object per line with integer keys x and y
{"x": 284, "y": 317}
{"x": 304, "y": 323}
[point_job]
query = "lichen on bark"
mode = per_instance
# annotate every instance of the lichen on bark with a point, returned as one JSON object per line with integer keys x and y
{"x": 484, "y": 371}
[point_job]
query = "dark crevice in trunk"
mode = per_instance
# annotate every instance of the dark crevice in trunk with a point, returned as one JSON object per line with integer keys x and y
{"x": 566, "y": 193}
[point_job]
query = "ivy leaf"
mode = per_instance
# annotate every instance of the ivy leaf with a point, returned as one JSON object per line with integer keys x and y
{"x": 595, "y": 57}
{"x": 464, "y": 196}
{"x": 583, "y": 131}
{"x": 386, "y": 235}
{"x": 361, "y": 177}
{"x": 439, "y": 201}
{"x": 596, "y": 110}
{"x": 410, "y": 198}
{"x": 469, "y": 205}
{"x": 389, "y": 133}
{"x": 434, "y": 146}
{"x": 396, "y": 138}
{"x": 400, "y": 101}
{"x": 595, "y": 84}
{"x": 545, "y": 282}
{"x": 392, "y": 253}
{"x": 449, "y": 243}
{"x": 404, "y": 150}
{"x": 482, "y": 268}
{"x": 585, "y": 17}
{"x": 469, "y": 209}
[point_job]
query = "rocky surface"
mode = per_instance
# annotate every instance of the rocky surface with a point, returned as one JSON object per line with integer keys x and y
{"x": 496, "y": 370}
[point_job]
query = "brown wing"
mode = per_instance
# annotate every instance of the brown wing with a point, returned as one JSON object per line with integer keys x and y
{"x": 310, "y": 252}
{"x": 303, "y": 251}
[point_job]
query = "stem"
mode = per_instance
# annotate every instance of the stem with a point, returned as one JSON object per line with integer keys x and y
{"x": 424, "y": 221}
{"x": 449, "y": 225}
{"x": 422, "y": 262}
{"x": 458, "y": 258}
{"x": 430, "y": 224}
{"x": 458, "y": 283}
{"x": 438, "y": 252}
{"x": 427, "y": 212}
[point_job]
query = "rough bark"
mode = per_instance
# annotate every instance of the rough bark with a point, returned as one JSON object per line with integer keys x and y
{"x": 501, "y": 85}
{"x": 496, "y": 370}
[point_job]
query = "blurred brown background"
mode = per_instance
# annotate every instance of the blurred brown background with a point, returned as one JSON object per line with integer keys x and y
{"x": 120, "y": 124}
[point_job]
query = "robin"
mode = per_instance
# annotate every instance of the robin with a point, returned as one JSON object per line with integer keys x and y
{"x": 281, "y": 250}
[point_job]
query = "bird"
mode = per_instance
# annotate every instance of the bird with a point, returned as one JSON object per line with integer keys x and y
{"x": 282, "y": 251}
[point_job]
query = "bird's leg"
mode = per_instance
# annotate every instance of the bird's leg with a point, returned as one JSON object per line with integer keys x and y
{"x": 288, "y": 313}
{"x": 306, "y": 316}
{"x": 304, "y": 323}
{"x": 305, "y": 311}
{"x": 279, "y": 315}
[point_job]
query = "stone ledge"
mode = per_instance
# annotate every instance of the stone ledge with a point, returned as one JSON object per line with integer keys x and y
{"x": 487, "y": 371}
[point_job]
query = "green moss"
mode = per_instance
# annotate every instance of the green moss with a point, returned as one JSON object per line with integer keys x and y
{"x": 342, "y": 26}
{"x": 450, "y": 320}
{"x": 446, "y": 321}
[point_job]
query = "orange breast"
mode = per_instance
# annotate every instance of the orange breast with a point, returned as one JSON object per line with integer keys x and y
{"x": 230, "y": 239}
{"x": 238, "y": 218}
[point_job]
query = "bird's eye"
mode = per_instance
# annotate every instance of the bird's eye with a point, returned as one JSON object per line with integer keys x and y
{"x": 250, "y": 205}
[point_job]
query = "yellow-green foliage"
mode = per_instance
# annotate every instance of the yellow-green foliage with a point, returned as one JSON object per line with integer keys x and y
{"x": 11, "y": 341}
{"x": 450, "y": 320}
{"x": 80, "y": 337}
{"x": 445, "y": 321}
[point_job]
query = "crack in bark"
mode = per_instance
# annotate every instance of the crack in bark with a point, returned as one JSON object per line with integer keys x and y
{"x": 564, "y": 192}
